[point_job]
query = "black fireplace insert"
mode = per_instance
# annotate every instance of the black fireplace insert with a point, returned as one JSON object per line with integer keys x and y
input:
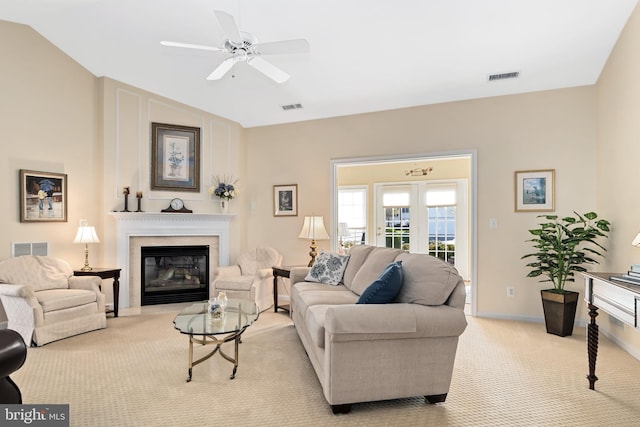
{"x": 173, "y": 274}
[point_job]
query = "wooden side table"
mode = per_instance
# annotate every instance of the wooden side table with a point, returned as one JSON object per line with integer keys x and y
{"x": 106, "y": 273}
{"x": 284, "y": 272}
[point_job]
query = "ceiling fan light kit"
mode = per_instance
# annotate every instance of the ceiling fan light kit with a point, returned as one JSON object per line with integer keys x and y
{"x": 243, "y": 47}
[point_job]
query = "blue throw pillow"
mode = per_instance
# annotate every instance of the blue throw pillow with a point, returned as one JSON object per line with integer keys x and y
{"x": 385, "y": 288}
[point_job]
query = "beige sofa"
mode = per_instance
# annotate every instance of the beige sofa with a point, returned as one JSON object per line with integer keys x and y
{"x": 369, "y": 352}
{"x": 45, "y": 302}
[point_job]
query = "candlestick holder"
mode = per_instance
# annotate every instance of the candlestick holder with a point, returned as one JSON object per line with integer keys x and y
{"x": 139, "y": 197}
{"x": 126, "y": 203}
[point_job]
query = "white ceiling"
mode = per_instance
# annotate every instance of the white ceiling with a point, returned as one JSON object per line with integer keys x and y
{"x": 366, "y": 55}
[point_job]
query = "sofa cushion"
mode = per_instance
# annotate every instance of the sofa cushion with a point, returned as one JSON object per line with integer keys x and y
{"x": 328, "y": 268}
{"x": 371, "y": 268}
{"x": 427, "y": 279}
{"x": 357, "y": 255}
{"x": 385, "y": 288}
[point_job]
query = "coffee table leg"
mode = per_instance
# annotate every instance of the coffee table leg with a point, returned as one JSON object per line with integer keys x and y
{"x": 190, "y": 358}
{"x": 235, "y": 358}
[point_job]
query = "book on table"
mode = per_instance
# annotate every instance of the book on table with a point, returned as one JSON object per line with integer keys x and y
{"x": 625, "y": 278}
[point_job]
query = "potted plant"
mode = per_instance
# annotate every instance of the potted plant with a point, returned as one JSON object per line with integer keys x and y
{"x": 563, "y": 246}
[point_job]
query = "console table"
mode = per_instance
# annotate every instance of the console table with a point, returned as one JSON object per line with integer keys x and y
{"x": 106, "y": 273}
{"x": 617, "y": 299}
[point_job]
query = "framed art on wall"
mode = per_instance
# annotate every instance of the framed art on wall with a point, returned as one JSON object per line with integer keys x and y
{"x": 285, "y": 200}
{"x": 535, "y": 190}
{"x": 43, "y": 196}
{"x": 175, "y": 157}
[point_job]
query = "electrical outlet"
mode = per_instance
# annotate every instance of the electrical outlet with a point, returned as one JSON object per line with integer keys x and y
{"x": 511, "y": 291}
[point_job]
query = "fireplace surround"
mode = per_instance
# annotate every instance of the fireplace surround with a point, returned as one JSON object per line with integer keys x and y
{"x": 135, "y": 229}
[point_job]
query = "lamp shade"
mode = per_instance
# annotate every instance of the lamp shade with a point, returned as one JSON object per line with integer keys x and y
{"x": 313, "y": 229}
{"x": 343, "y": 229}
{"x": 86, "y": 234}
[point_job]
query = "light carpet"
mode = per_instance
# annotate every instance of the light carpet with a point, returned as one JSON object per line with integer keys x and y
{"x": 506, "y": 374}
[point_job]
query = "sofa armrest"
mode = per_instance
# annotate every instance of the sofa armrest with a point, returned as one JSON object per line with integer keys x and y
{"x": 298, "y": 274}
{"x": 228, "y": 271}
{"x": 355, "y": 322}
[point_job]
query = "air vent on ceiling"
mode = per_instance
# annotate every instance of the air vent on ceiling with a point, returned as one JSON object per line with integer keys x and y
{"x": 291, "y": 107}
{"x": 503, "y": 76}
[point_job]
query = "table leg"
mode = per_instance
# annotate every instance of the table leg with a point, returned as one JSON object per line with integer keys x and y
{"x": 592, "y": 345}
{"x": 190, "y": 358}
{"x": 116, "y": 293}
{"x": 275, "y": 293}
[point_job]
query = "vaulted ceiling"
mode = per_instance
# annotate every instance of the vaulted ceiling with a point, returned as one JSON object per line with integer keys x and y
{"x": 365, "y": 55}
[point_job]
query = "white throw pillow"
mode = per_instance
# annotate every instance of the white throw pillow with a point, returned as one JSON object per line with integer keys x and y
{"x": 328, "y": 268}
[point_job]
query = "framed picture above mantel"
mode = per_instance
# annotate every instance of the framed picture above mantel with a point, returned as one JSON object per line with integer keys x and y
{"x": 534, "y": 190}
{"x": 175, "y": 157}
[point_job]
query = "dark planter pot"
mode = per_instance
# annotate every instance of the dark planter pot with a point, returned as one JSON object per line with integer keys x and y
{"x": 559, "y": 311}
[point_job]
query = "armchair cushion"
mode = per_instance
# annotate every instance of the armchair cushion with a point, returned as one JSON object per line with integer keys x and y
{"x": 238, "y": 283}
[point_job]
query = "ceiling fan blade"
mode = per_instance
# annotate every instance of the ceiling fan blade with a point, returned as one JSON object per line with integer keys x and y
{"x": 229, "y": 27}
{"x": 268, "y": 69}
{"x": 282, "y": 47}
{"x": 191, "y": 46}
{"x": 222, "y": 69}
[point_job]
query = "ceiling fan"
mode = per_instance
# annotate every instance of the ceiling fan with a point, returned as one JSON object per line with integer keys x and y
{"x": 243, "y": 47}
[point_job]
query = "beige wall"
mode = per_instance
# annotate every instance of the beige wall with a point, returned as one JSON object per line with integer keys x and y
{"x": 618, "y": 153}
{"x": 544, "y": 130}
{"x": 58, "y": 117}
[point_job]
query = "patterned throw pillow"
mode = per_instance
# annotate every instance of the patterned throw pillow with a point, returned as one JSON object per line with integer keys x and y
{"x": 328, "y": 268}
{"x": 385, "y": 288}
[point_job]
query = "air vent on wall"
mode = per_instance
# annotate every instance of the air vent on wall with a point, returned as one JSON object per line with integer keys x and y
{"x": 291, "y": 107}
{"x": 504, "y": 76}
{"x": 37, "y": 248}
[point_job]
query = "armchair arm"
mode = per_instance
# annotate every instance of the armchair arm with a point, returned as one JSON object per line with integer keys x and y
{"x": 265, "y": 273}
{"x": 227, "y": 271}
{"x": 23, "y": 310}
{"x": 90, "y": 283}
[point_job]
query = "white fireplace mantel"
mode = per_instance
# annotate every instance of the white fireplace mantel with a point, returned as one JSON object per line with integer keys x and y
{"x": 130, "y": 224}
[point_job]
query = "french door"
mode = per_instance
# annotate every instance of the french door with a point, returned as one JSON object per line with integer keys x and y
{"x": 425, "y": 217}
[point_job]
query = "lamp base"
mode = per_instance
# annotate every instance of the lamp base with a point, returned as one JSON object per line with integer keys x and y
{"x": 86, "y": 268}
{"x": 313, "y": 253}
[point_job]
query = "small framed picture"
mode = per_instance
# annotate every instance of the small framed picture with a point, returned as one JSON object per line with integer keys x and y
{"x": 175, "y": 157}
{"x": 535, "y": 190}
{"x": 285, "y": 200}
{"x": 43, "y": 196}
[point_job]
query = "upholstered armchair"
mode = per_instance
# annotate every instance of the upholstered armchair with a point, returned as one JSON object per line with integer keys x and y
{"x": 250, "y": 278}
{"x": 13, "y": 353}
{"x": 45, "y": 302}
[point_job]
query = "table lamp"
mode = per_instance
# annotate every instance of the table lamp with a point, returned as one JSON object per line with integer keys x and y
{"x": 343, "y": 231}
{"x": 86, "y": 234}
{"x": 313, "y": 229}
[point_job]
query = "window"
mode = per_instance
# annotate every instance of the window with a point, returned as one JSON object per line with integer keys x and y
{"x": 352, "y": 210}
{"x": 441, "y": 221}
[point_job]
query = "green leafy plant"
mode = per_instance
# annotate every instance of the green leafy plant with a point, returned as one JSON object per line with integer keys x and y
{"x": 564, "y": 244}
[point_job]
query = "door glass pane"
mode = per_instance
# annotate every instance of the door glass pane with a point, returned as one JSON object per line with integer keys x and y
{"x": 397, "y": 228}
{"x": 441, "y": 223}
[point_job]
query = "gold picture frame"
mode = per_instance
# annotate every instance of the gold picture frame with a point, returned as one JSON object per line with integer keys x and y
{"x": 535, "y": 190}
{"x": 285, "y": 200}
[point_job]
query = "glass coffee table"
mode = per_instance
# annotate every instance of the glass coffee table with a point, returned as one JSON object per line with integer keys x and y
{"x": 196, "y": 322}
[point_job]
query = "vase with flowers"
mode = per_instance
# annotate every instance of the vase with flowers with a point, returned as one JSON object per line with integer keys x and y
{"x": 224, "y": 188}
